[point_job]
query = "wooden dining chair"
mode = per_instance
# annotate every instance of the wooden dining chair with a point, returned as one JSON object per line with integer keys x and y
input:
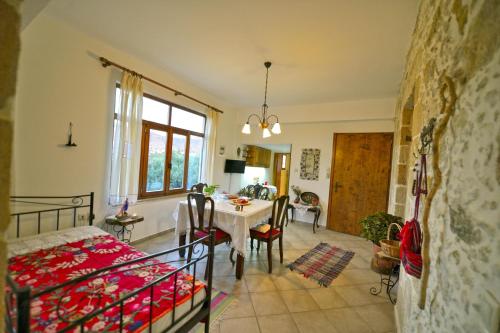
{"x": 198, "y": 188}
{"x": 198, "y": 228}
{"x": 264, "y": 193}
{"x": 256, "y": 190}
{"x": 275, "y": 231}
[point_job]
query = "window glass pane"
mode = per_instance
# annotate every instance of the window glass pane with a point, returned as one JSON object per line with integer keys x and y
{"x": 195, "y": 151}
{"x": 188, "y": 120}
{"x": 283, "y": 162}
{"x": 156, "y": 160}
{"x": 154, "y": 111}
{"x": 178, "y": 160}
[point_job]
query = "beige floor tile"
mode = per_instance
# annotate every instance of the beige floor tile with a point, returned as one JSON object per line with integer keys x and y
{"x": 299, "y": 300}
{"x": 259, "y": 283}
{"x": 346, "y": 320}
{"x": 268, "y": 303}
{"x": 287, "y": 281}
{"x": 240, "y": 325}
{"x": 361, "y": 276}
{"x": 327, "y": 298}
{"x": 313, "y": 322}
{"x": 360, "y": 295}
{"x": 230, "y": 284}
{"x": 380, "y": 317}
{"x": 277, "y": 323}
{"x": 241, "y": 307}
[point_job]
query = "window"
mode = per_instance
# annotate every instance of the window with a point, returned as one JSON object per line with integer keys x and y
{"x": 171, "y": 149}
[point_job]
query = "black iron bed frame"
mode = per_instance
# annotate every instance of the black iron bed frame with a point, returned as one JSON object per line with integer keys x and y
{"x": 18, "y": 299}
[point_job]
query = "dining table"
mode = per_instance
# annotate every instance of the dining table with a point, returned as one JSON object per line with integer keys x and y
{"x": 236, "y": 223}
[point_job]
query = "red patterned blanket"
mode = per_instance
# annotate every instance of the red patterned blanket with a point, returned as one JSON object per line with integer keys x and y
{"x": 49, "y": 267}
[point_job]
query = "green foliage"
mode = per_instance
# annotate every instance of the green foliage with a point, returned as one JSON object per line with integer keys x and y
{"x": 210, "y": 190}
{"x": 244, "y": 192}
{"x": 374, "y": 227}
{"x": 156, "y": 170}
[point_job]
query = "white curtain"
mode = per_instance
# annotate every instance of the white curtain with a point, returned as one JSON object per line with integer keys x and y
{"x": 210, "y": 145}
{"x": 127, "y": 141}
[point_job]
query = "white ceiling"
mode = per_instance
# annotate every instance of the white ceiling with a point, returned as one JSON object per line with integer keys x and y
{"x": 322, "y": 50}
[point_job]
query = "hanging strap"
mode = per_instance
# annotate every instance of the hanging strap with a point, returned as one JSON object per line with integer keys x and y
{"x": 421, "y": 184}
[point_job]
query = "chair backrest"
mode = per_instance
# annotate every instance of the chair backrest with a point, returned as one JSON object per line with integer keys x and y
{"x": 308, "y": 197}
{"x": 279, "y": 212}
{"x": 256, "y": 190}
{"x": 200, "y": 201}
{"x": 198, "y": 188}
{"x": 251, "y": 191}
{"x": 264, "y": 193}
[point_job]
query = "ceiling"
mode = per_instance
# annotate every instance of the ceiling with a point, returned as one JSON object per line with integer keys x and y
{"x": 322, "y": 50}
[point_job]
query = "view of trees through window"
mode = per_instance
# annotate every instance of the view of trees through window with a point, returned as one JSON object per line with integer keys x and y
{"x": 172, "y": 147}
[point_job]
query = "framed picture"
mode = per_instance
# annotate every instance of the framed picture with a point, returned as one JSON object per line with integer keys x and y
{"x": 309, "y": 164}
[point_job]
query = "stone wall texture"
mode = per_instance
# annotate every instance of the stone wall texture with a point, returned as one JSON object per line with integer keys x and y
{"x": 9, "y": 51}
{"x": 459, "y": 39}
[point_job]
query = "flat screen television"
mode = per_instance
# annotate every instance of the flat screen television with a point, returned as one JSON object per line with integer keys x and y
{"x": 234, "y": 166}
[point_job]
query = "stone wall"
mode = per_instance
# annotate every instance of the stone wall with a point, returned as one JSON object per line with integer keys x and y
{"x": 9, "y": 51}
{"x": 459, "y": 39}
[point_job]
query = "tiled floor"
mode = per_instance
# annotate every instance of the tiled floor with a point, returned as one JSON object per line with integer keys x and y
{"x": 284, "y": 301}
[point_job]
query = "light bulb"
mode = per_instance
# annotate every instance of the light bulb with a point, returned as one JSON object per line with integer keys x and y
{"x": 276, "y": 128}
{"x": 266, "y": 133}
{"x": 246, "y": 128}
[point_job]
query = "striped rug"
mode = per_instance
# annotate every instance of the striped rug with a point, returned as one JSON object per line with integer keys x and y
{"x": 220, "y": 303}
{"x": 323, "y": 263}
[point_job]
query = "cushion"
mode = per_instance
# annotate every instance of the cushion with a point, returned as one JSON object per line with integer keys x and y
{"x": 258, "y": 234}
{"x": 219, "y": 234}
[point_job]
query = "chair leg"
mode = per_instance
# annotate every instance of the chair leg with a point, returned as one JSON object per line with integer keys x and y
{"x": 231, "y": 256}
{"x": 251, "y": 243}
{"x": 286, "y": 216}
{"x": 281, "y": 250}
{"x": 270, "y": 255}
{"x": 258, "y": 245}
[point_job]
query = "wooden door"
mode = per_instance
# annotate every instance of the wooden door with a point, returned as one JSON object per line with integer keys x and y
{"x": 281, "y": 173}
{"x": 359, "y": 185}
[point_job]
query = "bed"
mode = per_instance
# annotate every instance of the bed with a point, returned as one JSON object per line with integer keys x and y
{"x": 82, "y": 279}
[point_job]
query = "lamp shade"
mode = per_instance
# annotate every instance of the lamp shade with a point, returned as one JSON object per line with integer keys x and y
{"x": 246, "y": 128}
{"x": 276, "y": 128}
{"x": 266, "y": 133}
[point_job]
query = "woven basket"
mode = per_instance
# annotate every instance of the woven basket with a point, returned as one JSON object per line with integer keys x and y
{"x": 390, "y": 247}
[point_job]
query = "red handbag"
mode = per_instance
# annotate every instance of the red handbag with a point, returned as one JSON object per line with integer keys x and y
{"x": 411, "y": 235}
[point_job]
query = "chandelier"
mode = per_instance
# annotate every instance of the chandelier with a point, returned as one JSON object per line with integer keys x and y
{"x": 264, "y": 119}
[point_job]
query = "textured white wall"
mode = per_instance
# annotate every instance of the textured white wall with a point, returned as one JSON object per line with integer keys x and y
{"x": 459, "y": 39}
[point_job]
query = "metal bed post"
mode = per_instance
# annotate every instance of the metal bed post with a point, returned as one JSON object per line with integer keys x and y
{"x": 23, "y": 309}
{"x": 210, "y": 268}
{"x": 91, "y": 209}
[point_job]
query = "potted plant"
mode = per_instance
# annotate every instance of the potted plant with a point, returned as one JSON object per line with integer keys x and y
{"x": 297, "y": 191}
{"x": 210, "y": 190}
{"x": 374, "y": 229}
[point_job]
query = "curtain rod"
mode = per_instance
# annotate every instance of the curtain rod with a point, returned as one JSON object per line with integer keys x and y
{"x": 105, "y": 63}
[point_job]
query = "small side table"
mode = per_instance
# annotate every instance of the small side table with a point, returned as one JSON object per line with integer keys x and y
{"x": 388, "y": 282}
{"x": 314, "y": 209}
{"x": 123, "y": 226}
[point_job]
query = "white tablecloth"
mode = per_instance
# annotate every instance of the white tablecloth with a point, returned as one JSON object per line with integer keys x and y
{"x": 226, "y": 218}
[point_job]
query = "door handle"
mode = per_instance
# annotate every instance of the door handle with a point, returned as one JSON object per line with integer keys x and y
{"x": 336, "y": 186}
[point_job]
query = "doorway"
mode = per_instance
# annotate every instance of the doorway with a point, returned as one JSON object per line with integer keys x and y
{"x": 281, "y": 173}
{"x": 359, "y": 186}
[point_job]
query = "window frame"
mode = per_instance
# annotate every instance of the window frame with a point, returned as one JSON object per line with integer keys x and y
{"x": 170, "y": 130}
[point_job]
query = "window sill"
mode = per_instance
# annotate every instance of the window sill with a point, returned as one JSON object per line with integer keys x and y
{"x": 161, "y": 197}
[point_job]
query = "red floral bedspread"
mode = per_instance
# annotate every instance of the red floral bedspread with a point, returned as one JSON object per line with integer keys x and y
{"x": 49, "y": 267}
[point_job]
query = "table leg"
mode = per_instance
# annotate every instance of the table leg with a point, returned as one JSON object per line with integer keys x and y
{"x": 182, "y": 242}
{"x": 240, "y": 263}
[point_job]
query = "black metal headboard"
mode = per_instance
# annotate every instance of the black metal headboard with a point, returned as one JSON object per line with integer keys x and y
{"x": 52, "y": 205}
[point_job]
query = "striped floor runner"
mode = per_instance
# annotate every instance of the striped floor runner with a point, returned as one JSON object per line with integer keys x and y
{"x": 323, "y": 263}
{"x": 220, "y": 303}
